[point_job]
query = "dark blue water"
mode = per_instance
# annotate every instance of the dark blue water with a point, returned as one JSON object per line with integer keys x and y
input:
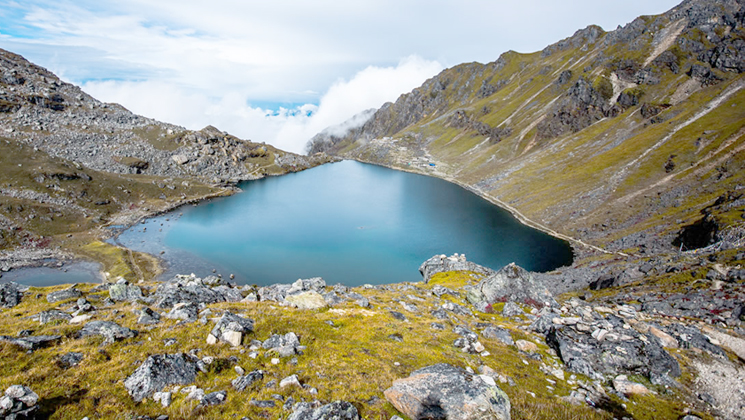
{"x": 347, "y": 222}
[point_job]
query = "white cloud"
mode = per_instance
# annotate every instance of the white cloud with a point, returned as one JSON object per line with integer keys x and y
{"x": 195, "y": 63}
{"x": 289, "y": 129}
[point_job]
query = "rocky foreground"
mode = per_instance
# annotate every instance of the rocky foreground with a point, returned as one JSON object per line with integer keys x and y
{"x": 467, "y": 342}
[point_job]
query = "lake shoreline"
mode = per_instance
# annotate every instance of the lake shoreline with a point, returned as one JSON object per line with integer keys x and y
{"x": 515, "y": 213}
{"x": 128, "y": 221}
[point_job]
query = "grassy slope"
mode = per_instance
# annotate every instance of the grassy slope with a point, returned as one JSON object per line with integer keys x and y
{"x": 354, "y": 359}
{"x": 581, "y": 179}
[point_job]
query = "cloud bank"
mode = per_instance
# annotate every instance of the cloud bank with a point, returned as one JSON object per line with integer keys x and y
{"x": 280, "y": 71}
{"x": 286, "y": 128}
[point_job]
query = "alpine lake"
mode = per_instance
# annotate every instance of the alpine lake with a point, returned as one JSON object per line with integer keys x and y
{"x": 348, "y": 222}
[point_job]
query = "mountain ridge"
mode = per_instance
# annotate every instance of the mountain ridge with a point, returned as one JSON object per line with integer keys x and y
{"x": 73, "y": 165}
{"x": 598, "y": 96}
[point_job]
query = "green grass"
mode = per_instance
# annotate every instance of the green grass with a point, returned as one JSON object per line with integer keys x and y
{"x": 352, "y": 360}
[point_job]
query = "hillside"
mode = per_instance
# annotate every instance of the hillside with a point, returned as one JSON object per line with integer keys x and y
{"x": 617, "y": 139}
{"x": 628, "y": 143}
{"x": 72, "y": 165}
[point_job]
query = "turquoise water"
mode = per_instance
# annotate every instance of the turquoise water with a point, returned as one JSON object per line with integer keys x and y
{"x": 347, "y": 222}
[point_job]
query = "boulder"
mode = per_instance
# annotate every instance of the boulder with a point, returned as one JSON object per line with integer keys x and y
{"x": 51, "y": 315}
{"x": 510, "y": 284}
{"x": 148, "y": 316}
{"x": 595, "y": 356}
{"x": 61, "y": 295}
{"x": 498, "y": 333}
{"x": 19, "y": 402}
{"x": 230, "y": 329}
{"x": 123, "y": 291}
{"x": 281, "y": 292}
{"x": 10, "y": 295}
{"x": 444, "y": 392}
{"x": 214, "y": 398}
{"x": 441, "y": 264}
{"x": 286, "y": 345}
{"x": 307, "y": 300}
{"x": 512, "y": 309}
{"x": 181, "y": 159}
{"x": 31, "y": 343}
{"x": 338, "y": 410}
{"x": 68, "y": 360}
{"x": 158, "y": 372}
{"x": 242, "y": 382}
{"x": 110, "y": 331}
{"x": 192, "y": 289}
{"x": 622, "y": 384}
{"x": 291, "y": 380}
{"x": 185, "y": 311}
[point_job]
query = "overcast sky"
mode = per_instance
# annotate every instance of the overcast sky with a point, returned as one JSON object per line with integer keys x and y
{"x": 280, "y": 71}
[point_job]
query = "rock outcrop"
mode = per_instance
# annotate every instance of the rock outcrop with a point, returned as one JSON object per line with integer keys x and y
{"x": 446, "y": 392}
{"x": 231, "y": 329}
{"x": 510, "y": 284}
{"x": 19, "y": 403}
{"x": 159, "y": 371}
{"x": 338, "y": 410}
{"x": 110, "y": 331}
{"x": 10, "y": 295}
{"x": 442, "y": 263}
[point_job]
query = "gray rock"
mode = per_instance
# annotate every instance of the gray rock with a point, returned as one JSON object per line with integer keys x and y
{"x": 110, "y": 331}
{"x": 69, "y": 360}
{"x": 165, "y": 398}
{"x": 440, "y": 314}
{"x": 262, "y": 403}
{"x": 159, "y": 371}
{"x": 306, "y": 300}
{"x": 398, "y": 315}
{"x": 443, "y": 391}
{"x": 285, "y": 345}
{"x": 51, "y": 315}
{"x": 148, "y": 316}
{"x": 186, "y": 311}
{"x": 441, "y": 263}
{"x": 231, "y": 329}
{"x": 359, "y": 299}
{"x": 214, "y": 398}
{"x": 10, "y": 295}
{"x": 512, "y": 309}
{"x": 19, "y": 402}
{"x": 60, "y": 295}
{"x": 338, "y": 410}
{"x": 457, "y": 309}
{"x": 586, "y": 355}
{"x": 32, "y": 342}
{"x": 511, "y": 284}
{"x": 191, "y": 289}
{"x": 242, "y": 382}
{"x": 332, "y": 299}
{"x": 498, "y": 333}
{"x": 439, "y": 291}
{"x": 120, "y": 292}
